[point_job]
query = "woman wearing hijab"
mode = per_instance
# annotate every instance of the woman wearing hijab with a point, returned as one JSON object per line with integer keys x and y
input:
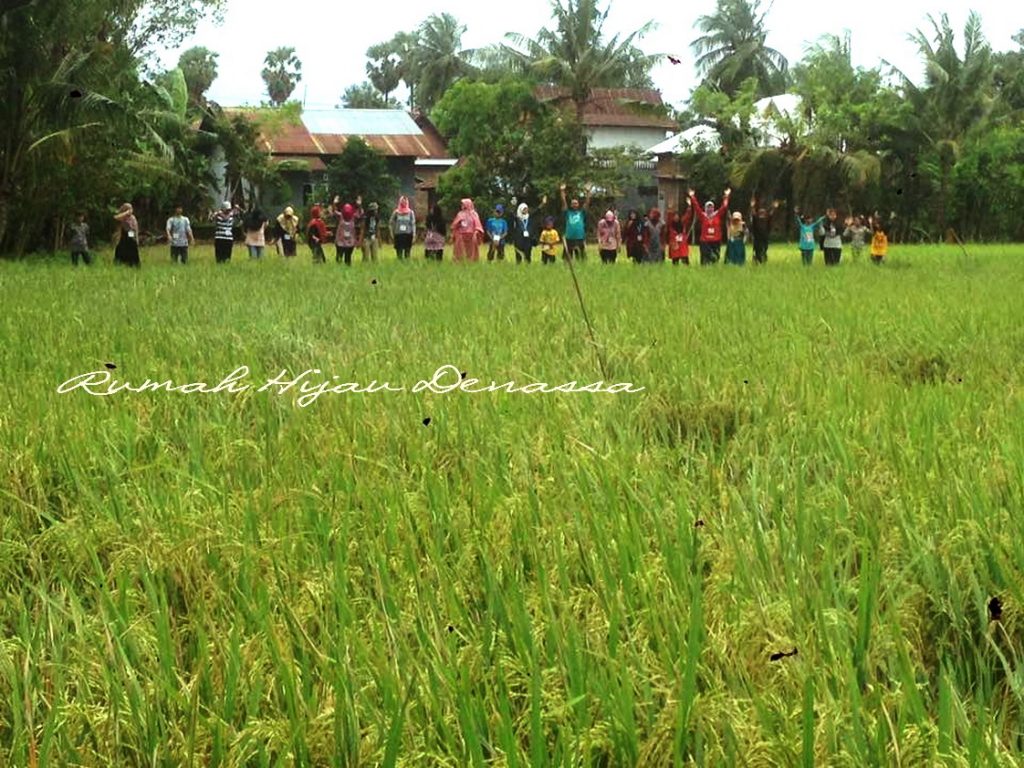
{"x": 524, "y": 234}
{"x": 678, "y": 234}
{"x": 736, "y": 249}
{"x": 467, "y": 233}
{"x": 656, "y": 239}
{"x": 288, "y": 229}
{"x": 609, "y": 237}
{"x": 711, "y": 226}
{"x": 346, "y": 234}
{"x": 636, "y": 237}
{"x": 433, "y": 241}
{"x": 403, "y": 227}
{"x": 127, "y": 250}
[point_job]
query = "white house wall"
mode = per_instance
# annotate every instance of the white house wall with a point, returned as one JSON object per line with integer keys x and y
{"x": 641, "y": 138}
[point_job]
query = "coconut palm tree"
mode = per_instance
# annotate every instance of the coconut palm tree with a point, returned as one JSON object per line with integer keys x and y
{"x": 282, "y": 73}
{"x": 573, "y": 52}
{"x": 440, "y": 58}
{"x": 955, "y": 101}
{"x": 733, "y": 48}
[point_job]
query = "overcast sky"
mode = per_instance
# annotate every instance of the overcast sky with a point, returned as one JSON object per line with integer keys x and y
{"x": 331, "y": 38}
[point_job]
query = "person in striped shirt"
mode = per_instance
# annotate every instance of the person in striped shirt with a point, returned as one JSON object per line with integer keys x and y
{"x": 225, "y": 220}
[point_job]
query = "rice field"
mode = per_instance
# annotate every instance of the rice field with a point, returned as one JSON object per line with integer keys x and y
{"x": 825, "y": 464}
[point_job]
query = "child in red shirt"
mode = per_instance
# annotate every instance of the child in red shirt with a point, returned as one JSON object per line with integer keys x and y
{"x": 317, "y": 234}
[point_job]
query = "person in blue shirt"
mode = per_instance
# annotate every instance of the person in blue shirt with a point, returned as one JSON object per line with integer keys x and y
{"x": 497, "y": 231}
{"x": 575, "y": 226}
{"x": 807, "y": 228}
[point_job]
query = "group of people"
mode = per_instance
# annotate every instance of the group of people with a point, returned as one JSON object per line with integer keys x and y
{"x": 647, "y": 238}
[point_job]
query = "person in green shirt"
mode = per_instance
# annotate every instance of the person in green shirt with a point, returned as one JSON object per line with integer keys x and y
{"x": 575, "y": 225}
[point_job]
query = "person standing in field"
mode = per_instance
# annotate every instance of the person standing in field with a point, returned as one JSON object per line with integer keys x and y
{"x": 224, "y": 222}
{"x": 857, "y": 234}
{"x": 575, "y": 225}
{"x": 609, "y": 237}
{"x": 288, "y": 231}
{"x": 79, "y": 241}
{"x": 317, "y": 234}
{"x": 711, "y": 226}
{"x": 369, "y": 226}
{"x": 467, "y": 231}
{"x": 808, "y": 227}
{"x": 736, "y": 249}
{"x": 255, "y": 233}
{"x": 761, "y": 228}
{"x": 832, "y": 244}
{"x": 434, "y": 238}
{"x": 678, "y": 235}
{"x": 879, "y": 239}
{"x": 656, "y": 238}
{"x": 497, "y": 231}
{"x": 636, "y": 235}
{"x": 403, "y": 228}
{"x": 346, "y": 234}
{"x": 524, "y": 234}
{"x": 549, "y": 241}
{"x": 127, "y": 250}
{"x": 179, "y": 235}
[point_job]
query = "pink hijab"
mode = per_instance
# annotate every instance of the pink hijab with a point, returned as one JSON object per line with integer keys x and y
{"x": 403, "y": 205}
{"x": 469, "y": 212}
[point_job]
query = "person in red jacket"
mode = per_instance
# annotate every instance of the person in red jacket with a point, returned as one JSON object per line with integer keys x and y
{"x": 711, "y": 226}
{"x": 317, "y": 234}
{"x": 679, "y": 235}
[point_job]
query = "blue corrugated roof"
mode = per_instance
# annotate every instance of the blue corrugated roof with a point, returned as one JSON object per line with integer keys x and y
{"x": 361, "y": 122}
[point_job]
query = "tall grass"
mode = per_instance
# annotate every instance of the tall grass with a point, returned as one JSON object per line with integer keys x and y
{"x": 826, "y": 460}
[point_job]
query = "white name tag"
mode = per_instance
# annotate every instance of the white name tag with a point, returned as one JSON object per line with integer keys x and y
{"x": 131, "y": 234}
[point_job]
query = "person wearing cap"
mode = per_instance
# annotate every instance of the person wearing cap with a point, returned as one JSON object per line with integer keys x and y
{"x": 224, "y": 222}
{"x": 736, "y": 248}
{"x": 369, "y": 225}
{"x": 497, "y": 231}
{"x": 711, "y": 225}
{"x": 609, "y": 237}
{"x": 288, "y": 230}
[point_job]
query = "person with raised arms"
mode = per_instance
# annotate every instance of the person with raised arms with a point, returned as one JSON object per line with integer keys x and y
{"x": 711, "y": 226}
{"x": 575, "y": 225}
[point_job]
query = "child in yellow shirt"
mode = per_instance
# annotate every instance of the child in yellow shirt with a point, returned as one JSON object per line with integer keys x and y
{"x": 549, "y": 240}
{"x": 879, "y": 243}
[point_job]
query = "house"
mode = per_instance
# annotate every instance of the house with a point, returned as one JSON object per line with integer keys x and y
{"x": 765, "y": 125}
{"x": 621, "y": 117}
{"x": 302, "y": 148}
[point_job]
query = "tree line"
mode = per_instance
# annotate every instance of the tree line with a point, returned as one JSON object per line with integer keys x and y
{"x": 89, "y": 121}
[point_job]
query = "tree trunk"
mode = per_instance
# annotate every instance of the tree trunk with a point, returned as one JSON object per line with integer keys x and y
{"x": 5, "y": 206}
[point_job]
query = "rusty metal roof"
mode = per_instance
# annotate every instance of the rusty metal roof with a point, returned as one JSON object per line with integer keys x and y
{"x": 608, "y": 107}
{"x": 393, "y": 133}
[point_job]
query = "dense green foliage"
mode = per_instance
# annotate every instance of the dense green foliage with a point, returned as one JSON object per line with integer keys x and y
{"x": 234, "y": 580}
{"x": 360, "y": 170}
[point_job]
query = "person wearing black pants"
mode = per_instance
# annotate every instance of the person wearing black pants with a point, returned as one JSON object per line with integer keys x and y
{"x": 224, "y": 232}
{"x": 524, "y": 234}
{"x": 761, "y": 228}
{"x": 403, "y": 228}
